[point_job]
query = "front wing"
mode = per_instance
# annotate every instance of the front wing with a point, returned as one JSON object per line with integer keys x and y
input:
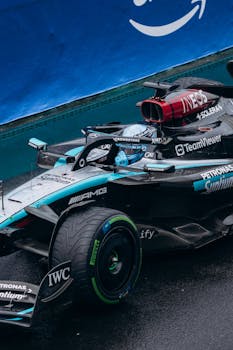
{"x": 21, "y": 301}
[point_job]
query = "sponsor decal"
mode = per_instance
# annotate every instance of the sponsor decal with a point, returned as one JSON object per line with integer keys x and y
{"x": 147, "y": 233}
{"x": 214, "y": 184}
{"x": 184, "y": 148}
{"x": 166, "y": 29}
{"x": 149, "y": 155}
{"x": 88, "y": 195}
{"x": 94, "y": 252}
{"x": 180, "y": 151}
{"x": 209, "y": 111}
{"x": 18, "y": 287}
{"x": 193, "y": 101}
{"x": 127, "y": 139}
{"x": 218, "y": 171}
{"x": 57, "y": 178}
{"x": 130, "y": 146}
{"x": 107, "y": 146}
{"x": 59, "y": 276}
{"x": 156, "y": 140}
{"x": 12, "y": 296}
{"x": 222, "y": 184}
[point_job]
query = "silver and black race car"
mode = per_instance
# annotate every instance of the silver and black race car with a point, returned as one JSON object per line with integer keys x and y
{"x": 165, "y": 183}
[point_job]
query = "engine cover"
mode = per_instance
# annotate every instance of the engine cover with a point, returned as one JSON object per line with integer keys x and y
{"x": 176, "y": 105}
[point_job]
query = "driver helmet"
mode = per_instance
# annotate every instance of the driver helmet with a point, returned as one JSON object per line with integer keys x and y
{"x": 130, "y": 153}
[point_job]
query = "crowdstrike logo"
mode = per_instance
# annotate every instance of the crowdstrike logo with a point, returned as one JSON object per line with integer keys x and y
{"x": 157, "y": 31}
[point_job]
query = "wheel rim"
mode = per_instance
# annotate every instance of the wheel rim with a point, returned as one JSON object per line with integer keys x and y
{"x": 115, "y": 264}
{"x": 116, "y": 260}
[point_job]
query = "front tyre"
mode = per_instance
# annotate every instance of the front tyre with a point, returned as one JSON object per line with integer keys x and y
{"x": 104, "y": 248}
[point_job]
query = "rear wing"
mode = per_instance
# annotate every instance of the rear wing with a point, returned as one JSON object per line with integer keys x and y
{"x": 20, "y": 302}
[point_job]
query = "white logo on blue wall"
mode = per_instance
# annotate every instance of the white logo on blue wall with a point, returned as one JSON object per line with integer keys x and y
{"x": 172, "y": 27}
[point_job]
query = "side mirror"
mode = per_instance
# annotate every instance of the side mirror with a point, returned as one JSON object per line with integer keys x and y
{"x": 37, "y": 144}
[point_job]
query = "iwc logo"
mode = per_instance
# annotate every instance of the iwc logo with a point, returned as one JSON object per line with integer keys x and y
{"x": 157, "y": 31}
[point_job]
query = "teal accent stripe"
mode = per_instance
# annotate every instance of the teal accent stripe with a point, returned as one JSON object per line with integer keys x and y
{"x": 24, "y": 312}
{"x": 72, "y": 152}
{"x": 20, "y": 215}
{"x": 38, "y": 142}
{"x": 158, "y": 166}
{"x": 27, "y": 311}
{"x": 60, "y": 162}
{"x": 70, "y": 190}
{"x": 201, "y": 165}
{"x": 186, "y": 166}
{"x": 82, "y": 185}
{"x": 14, "y": 319}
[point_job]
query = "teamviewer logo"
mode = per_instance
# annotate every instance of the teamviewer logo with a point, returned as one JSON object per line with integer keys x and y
{"x": 180, "y": 150}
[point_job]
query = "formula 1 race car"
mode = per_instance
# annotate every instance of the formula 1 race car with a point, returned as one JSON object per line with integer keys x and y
{"x": 163, "y": 184}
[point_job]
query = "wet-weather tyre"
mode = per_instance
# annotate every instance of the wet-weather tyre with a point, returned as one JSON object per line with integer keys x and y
{"x": 104, "y": 248}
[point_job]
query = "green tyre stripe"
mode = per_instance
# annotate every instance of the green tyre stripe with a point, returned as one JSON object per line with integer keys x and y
{"x": 123, "y": 218}
{"x": 100, "y": 296}
{"x": 94, "y": 252}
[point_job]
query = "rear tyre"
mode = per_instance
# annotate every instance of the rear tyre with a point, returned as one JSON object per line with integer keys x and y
{"x": 104, "y": 248}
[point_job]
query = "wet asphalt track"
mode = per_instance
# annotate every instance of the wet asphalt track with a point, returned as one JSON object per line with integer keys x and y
{"x": 182, "y": 301}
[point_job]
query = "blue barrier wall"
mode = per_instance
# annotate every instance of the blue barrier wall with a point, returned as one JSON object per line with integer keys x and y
{"x": 54, "y": 52}
{"x": 63, "y": 124}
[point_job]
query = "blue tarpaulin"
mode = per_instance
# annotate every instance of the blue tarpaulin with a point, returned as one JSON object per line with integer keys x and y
{"x": 53, "y": 52}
